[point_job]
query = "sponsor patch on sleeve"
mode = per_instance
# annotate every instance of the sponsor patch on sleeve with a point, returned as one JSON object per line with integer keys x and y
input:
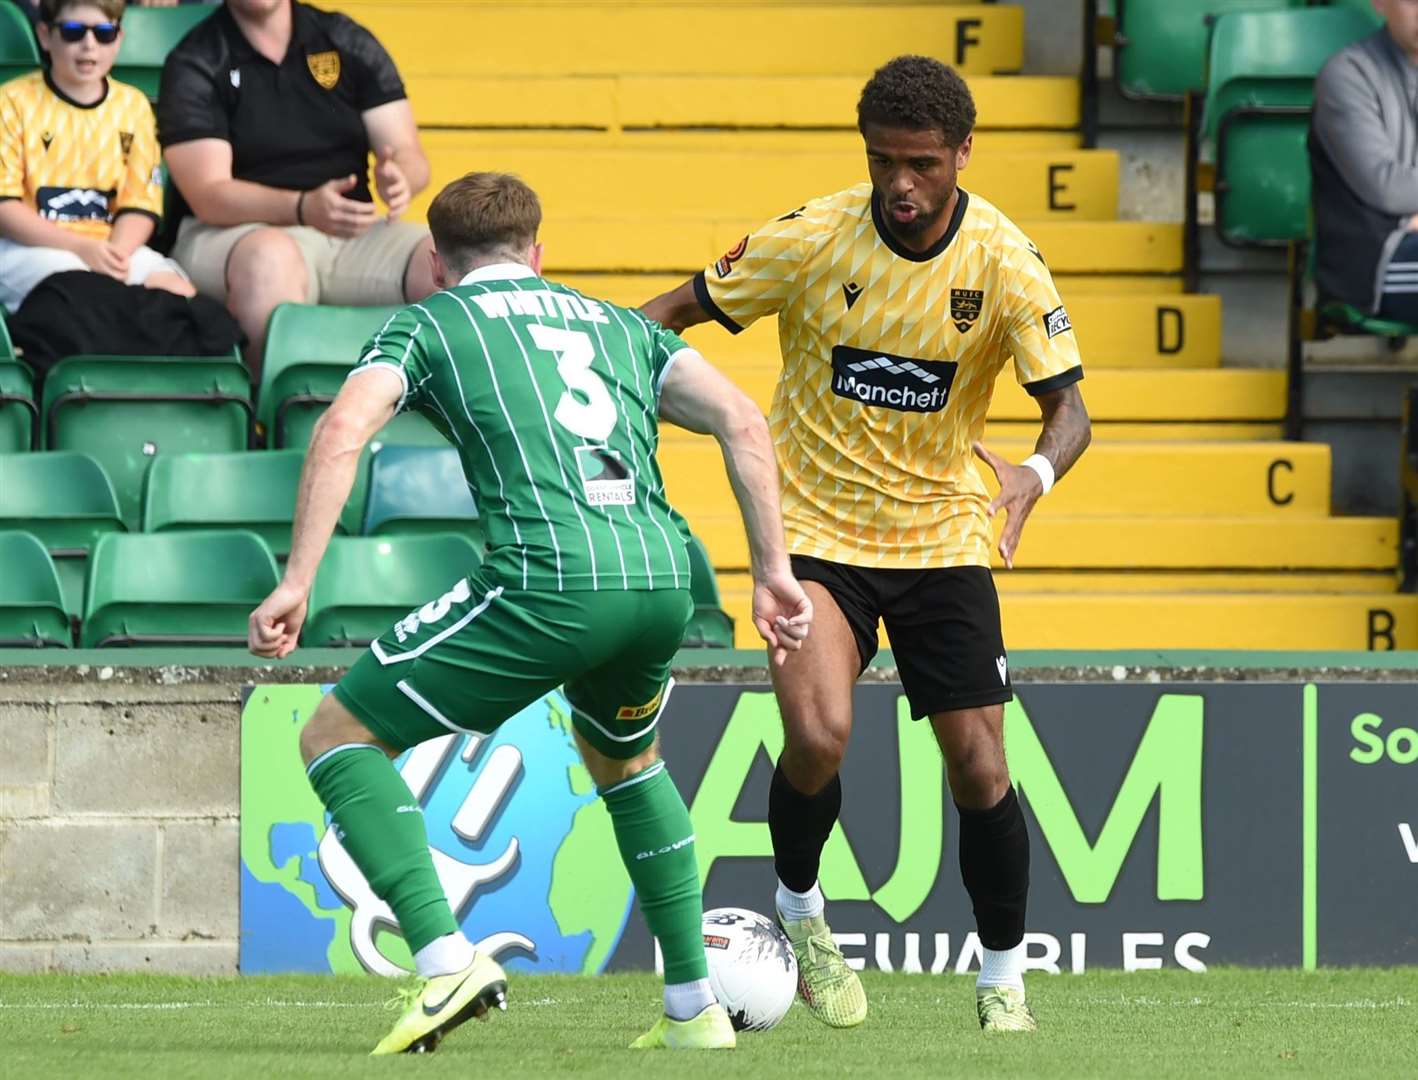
{"x": 733, "y": 255}
{"x": 1056, "y": 322}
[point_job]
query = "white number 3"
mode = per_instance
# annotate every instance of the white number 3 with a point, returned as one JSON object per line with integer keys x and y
{"x": 594, "y": 417}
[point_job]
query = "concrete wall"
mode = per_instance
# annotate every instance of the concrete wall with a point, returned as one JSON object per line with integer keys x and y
{"x": 118, "y": 821}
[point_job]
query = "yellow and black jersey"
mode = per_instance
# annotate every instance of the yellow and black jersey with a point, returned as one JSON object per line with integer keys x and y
{"x": 889, "y": 362}
{"x": 79, "y": 166}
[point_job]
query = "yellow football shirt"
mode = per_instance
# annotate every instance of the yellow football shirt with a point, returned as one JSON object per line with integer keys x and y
{"x": 889, "y": 362}
{"x": 79, "y": 166}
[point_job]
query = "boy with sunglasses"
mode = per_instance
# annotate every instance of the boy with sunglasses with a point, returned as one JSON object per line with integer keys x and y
{"x": 80, "y": 183}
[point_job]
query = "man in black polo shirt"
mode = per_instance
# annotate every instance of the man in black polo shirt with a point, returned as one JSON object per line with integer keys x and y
{"x": 268, "y": 113}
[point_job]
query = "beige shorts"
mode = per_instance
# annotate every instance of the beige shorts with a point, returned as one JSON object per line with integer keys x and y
{"x": 362, "y": 272}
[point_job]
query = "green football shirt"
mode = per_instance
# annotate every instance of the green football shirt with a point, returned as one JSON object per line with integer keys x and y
{"x": 552, "y": 399}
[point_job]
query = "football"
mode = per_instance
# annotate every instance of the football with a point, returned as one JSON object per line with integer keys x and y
{"x": 751, "y": 967}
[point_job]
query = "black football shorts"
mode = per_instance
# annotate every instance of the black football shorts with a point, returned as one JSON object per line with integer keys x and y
{"x": 943, "y": 624}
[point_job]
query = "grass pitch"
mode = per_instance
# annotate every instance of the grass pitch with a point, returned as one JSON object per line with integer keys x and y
{"x": 1360, "y": 1023}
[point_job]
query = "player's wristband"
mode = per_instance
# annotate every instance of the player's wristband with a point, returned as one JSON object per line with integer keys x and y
{"x": 1043, "y": 467}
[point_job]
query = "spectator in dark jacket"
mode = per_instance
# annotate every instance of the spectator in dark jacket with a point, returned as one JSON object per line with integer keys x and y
{"x": 1364, "y": 157}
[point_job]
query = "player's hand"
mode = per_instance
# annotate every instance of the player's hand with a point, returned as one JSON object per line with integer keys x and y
{"x": 326, "y": 208}
{"x": 391, "y": 183}
{"x": 1019, "y": 490}
{"x": 274, "y": 627}
{"x": 782, "y": 613}
{"x": 101, "y": 257}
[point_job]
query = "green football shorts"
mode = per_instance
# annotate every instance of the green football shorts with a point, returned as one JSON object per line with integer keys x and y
{"x": 480, "y": 653}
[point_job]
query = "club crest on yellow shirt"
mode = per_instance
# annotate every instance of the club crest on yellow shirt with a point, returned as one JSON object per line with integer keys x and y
{"x": 965, "y": 306}
{"x": 325, "y": 67}
{"x": 125, "y": 140}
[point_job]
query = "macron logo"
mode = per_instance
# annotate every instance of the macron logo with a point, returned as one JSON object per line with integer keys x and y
{"x": 1002, "y": 666}
{"x": 903, "y": 368}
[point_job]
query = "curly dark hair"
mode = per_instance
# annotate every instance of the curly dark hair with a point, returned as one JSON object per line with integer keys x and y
{"x": 917, "y": 93}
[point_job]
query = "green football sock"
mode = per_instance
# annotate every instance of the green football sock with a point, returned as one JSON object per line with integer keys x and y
{"x": 369, "y": 806}
{"x": 656, "y": 840}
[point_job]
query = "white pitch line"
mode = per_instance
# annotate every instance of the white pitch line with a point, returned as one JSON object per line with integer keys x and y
{"x": 1197, "y": 1002}
{"x": 271, "y": 1003}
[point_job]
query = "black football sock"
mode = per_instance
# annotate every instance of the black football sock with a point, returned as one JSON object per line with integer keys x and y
{"x": 994, "y": 861}
{"x": 800, "y": 825}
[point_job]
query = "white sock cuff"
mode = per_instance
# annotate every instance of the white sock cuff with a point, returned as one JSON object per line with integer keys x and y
{"x": 1002, "y": 967}
{"x": 685, "y": 1001}
{"x": 796, "y": 906}
{"x": 445, "y": 955}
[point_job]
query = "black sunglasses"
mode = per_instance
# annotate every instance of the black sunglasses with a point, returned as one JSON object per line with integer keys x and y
{"x": 105, "y": 33}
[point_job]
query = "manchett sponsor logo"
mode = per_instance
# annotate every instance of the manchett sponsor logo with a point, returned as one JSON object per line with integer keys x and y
{"x": 906, "y": 383}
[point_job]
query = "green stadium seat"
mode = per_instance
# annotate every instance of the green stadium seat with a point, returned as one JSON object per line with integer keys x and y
{"x": 19, "y": 415}
{"x": 66, "y": 500}
{"x": 1347, "y": 319}
{"x": 1162, "y": 44}
{"x": 1363, "y": 7}
{"x": 19, "y": 51}
{"x": 1259, "y": 96}
{"x": 126, "y": 410}
{"x": 710, "y": 627}
{"x": 418, "y": 490}
{"x": 149, "y": 34}
{"x": 310, "y": 348}
{"x": 177, "y": 588}
{"x": 241, "y": 490}
{"x": 31, "y": 603}
{"x": 367, "y": 583}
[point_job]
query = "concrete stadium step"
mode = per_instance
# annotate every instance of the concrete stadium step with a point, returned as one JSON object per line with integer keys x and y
{"x": 1041, "y": 104}
{"x": 1026, "y": 432}
{"x": 1139, "y": 619}
{"x": 1176, "y": 543}
{"x": 1356, "y": 583}
{"x": 1157, "y": 480}
{"x": 1074, "y": 285}
{"x": 1135, "y": 620}
{"x": 427, "y": 37}
{"x": 622, "y": 244}
{"x": 1163, "y": 583}
{"x": 1112, "y": 395}
{"x": 1124, "y": 432}
{"x": 667, "y": 185}
{"x": 1113, "y": 331}
{"x": 729, "y": 141}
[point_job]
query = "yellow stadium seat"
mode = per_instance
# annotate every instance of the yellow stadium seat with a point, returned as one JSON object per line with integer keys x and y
{"x": 647, "y": 39}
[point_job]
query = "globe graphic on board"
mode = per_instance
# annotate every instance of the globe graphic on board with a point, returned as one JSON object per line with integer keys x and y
{"x": 524, "y": 849}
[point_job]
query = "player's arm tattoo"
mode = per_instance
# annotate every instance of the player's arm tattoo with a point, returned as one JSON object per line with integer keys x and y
{"x": 1067, "y": 429}
{"x": 677, "y": 309}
